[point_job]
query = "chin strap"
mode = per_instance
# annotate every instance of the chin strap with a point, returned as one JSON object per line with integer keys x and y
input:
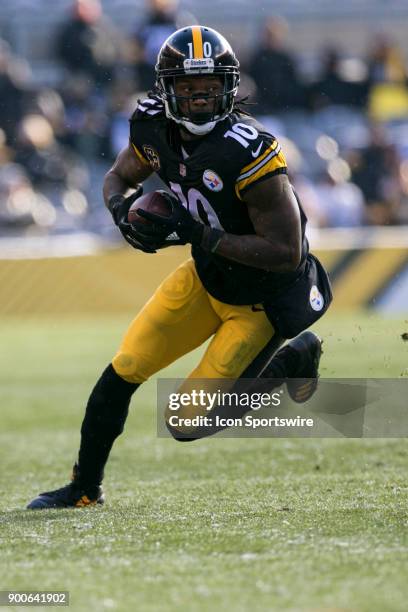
{"x": 193, "y": 128}
{"x": 198, "y": 130}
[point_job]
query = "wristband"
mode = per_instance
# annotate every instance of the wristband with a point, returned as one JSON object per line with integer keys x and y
{"x": 211, "y": 238}
{"x": 113, "y": 204}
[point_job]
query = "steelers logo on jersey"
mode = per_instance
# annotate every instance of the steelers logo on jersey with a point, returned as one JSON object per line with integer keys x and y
{"x": 316, "y": 299}
{"x": 152, "y": 156}
{"x": 212, "y": 181}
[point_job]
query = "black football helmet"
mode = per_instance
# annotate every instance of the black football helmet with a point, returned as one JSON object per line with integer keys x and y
{"x": 197, "y": 50}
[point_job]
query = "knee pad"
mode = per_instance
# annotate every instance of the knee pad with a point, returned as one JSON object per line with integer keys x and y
{"x": 129, "y": 368}
{"x": 230, "y": 352}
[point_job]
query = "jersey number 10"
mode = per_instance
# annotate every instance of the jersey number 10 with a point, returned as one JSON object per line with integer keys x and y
{"x": 195, "y": 202}
{"x": 197, "y": 205}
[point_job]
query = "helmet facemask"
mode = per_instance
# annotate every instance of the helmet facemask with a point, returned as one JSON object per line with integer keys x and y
{"x": 180, "y": 109}
{"x": 197, "y": 51}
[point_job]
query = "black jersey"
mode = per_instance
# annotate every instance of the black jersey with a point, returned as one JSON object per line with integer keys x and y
{"x": 210, "y": 176}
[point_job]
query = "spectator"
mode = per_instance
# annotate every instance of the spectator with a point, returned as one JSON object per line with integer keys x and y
{"x": 12, "y": 91}
{"x": 47, "y": 163}
{"x": 159, "y": 24}
{"x": 385, "y": 62}
{"x": 332, "y": 87}
{"x": 85, "y": 118}
{"x": 387, "y": 81}
{"x": 17, "y": 198}
{"x": 375, "y": 169}
{"x": 87, "y": 43}
{"x": 274, "y": 71}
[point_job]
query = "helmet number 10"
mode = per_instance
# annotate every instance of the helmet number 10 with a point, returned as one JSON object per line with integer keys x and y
{"x": 207, "y": 49}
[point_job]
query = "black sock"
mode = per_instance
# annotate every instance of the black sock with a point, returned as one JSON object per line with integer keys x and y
{"x": 104, "y": 420}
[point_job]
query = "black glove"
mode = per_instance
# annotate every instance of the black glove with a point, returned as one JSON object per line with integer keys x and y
{"x": 119, "y": 206}
{"x": 134, "y": 233}
{"x": 180, "y": 227}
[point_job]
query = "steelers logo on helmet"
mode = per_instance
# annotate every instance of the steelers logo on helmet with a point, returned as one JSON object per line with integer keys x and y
{"x": 200, "y": 54}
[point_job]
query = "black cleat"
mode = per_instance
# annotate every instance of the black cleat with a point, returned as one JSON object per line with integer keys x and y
{"x": 302, "y": 383}
{"x": 73, "y": 495}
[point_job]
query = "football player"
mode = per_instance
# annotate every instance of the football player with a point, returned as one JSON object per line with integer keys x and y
{"x": 251, "y": 281}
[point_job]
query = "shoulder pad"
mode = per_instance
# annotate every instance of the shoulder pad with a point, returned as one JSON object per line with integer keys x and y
{"x": 247, "y": 138}
{"x": 148, "y": 108}
{"x": 255, "y": 150}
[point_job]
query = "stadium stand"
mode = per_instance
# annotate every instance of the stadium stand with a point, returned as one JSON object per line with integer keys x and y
{"x": 60, "y": 131}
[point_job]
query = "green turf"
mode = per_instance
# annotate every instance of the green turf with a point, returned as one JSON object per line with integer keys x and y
{"x": 221, "y": 524}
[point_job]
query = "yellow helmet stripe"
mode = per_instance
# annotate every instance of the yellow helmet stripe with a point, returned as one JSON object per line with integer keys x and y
{"x": 197, "y": 42}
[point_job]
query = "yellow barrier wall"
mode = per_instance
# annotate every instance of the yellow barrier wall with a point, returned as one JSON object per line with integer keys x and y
{"x": 115, "y": 281}
{"x": 120, "y": 281}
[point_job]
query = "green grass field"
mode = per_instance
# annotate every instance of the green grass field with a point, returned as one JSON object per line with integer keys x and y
{"x": 220, "y": 524}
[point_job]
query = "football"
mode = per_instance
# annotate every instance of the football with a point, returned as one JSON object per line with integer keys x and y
{"x": 153, "y": 202}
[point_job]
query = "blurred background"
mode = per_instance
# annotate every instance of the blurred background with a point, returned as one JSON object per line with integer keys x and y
{"x": 237, "y": 524}
{"x": 330, "y": 81}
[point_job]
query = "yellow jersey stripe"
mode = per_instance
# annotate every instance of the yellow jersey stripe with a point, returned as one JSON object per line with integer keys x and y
{"x": 272, "y": 147}
{"x": 276, "y": 163}
{"x": 140, "y": 156}
{"x": 259, "y": 164}
{"x": 197, "y": 42}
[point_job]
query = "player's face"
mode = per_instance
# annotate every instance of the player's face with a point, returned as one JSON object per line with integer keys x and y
{"x": 199, "y": 92}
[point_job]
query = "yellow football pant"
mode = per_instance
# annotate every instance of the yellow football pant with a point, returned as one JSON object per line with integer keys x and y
{"x": 179, "y": 317}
